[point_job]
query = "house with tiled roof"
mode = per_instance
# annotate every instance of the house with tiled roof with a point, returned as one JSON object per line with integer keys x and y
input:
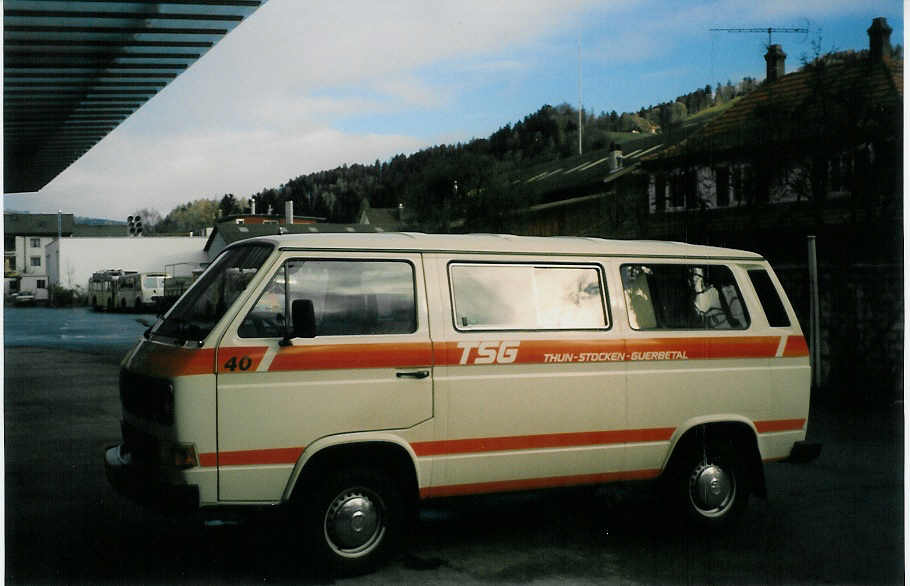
{"x": 826, "y": 138}
{"x": 812, "y": 154}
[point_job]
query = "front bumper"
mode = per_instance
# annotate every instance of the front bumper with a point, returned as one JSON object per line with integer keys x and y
{"x": 146, "y": 486}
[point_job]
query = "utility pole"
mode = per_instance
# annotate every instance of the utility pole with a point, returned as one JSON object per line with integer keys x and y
{"x": 579, "y": 98}
{"x": 769, "y": 30}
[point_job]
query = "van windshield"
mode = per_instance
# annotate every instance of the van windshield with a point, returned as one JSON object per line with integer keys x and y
{"x": 196, "y": 313}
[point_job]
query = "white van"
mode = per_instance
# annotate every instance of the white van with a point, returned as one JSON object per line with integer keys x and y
{"x": 352, "y": 375}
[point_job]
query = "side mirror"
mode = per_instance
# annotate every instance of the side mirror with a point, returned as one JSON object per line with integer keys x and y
{"x": 303, "y": 318}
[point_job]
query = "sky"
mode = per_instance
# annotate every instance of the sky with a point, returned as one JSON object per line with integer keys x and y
{"x": 302, "y": 86}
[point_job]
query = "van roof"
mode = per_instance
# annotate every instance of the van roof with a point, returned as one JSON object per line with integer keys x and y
{"x": 500, "y": 243}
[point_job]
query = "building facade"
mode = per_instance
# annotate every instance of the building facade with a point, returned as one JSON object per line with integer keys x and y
{"x": 25, "y": 259}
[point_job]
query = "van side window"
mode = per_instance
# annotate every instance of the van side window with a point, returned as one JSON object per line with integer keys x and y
{"x": 527, "y": 297}
{"x": 683, "y": 297}
{"x": 350, "y": 297}
{"x": 770, "y": 300}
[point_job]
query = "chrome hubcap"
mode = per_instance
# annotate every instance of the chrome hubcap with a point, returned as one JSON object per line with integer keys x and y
{"x": 711, "y": 490}
{"x": 353, "y": 523}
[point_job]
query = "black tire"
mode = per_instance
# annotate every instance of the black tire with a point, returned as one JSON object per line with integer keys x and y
{"x": 354, "y": 519}
{"x": 709, "y": 483}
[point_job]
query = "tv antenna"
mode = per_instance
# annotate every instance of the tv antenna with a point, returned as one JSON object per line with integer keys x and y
{"x": 769, "y": 30}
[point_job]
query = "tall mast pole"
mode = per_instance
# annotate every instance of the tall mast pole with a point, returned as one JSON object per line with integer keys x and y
{"x": 579, "y": 98}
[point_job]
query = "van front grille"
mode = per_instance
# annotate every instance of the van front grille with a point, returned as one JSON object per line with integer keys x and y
{"x": 147, "y": 397}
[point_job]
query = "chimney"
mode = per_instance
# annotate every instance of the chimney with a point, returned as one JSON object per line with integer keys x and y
{"x": 775, "y": 59}
{"x": 614, "y": 161}
{"x": 289, "y": 212}
{"x": 879, "y": 39}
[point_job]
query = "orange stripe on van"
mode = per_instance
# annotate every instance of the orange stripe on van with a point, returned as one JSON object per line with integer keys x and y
{"x": 335, "y": 356}
{"x": 697, "y": 347}
{"x": 535, "y": 442}
{"x": 272, "y": 456}
{"x": 535, "y": 483}
{"x": 163, "y": 360}
{"x": 251, "y": 457}
{"x": 238, "y": 359}
{"x": 779, "y": 425}
{"x": 623, "y": 350}
{"x": 796, "y": 346}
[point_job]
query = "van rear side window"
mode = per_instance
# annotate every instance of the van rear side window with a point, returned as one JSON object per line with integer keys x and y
{"x": 770, "y": 300}
{"x": 683, "y": 297}
{"x": 527, "y": 297}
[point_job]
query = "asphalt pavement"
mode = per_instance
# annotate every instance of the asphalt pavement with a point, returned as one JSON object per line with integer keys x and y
{"x": 837, "y": 520}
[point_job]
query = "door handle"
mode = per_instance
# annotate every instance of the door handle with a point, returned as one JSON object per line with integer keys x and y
{"x": 413, "y": 374}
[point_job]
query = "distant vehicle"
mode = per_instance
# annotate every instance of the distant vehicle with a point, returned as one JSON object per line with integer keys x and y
{"x": 139, "y": 291}
{"x": 102, "y": 288}
{"x": 24, "y": 298}
{"x": 181, "y": 276}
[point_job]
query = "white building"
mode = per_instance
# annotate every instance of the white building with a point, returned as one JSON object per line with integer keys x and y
{"x": 25, "y": 239}
{"x": 80, "y": 257}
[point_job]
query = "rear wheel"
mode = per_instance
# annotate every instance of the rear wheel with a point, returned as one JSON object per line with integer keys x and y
{"x": 710, "y": 483}
{"x": 354, "y": 519}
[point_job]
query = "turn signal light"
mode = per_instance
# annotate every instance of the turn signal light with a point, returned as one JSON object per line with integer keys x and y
{"x": 179, "y": 456}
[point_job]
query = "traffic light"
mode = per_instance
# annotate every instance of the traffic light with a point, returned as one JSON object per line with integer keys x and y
{"x": 134, "y": 225}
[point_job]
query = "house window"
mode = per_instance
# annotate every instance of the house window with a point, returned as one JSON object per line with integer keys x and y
{"x": 841, "y": 173}
{"x": 9, "y": 243}
{"x": 660, "y": 193}
{"x": 677, "y": 191}
{"x": 737, "y": 184}
{"x": 35, "y": 261}
{"x": 41, "y": 284}
{"x": 691, "y": 187}
{"x": 723, "y": 186}
{"x": 35, "y": 242}
{"x": 12, "y": 263}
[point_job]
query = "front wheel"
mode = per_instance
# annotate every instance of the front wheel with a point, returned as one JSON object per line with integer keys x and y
{"x": 354, "y": 519}
{"x": 710, "y": 484}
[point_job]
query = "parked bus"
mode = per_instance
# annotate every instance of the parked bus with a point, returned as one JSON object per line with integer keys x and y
{"x": 139, "y": 291}
{"x": 102, "y": 288}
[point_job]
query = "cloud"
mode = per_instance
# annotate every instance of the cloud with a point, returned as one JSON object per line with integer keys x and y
{"x": 161, "y": 174}
{"x": 266, "y": 103}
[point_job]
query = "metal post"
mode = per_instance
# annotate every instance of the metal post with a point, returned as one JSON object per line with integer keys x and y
{"x": 815, "y": 352}
{"x": 59, "y": 244}
{"x": 579, "y": 98}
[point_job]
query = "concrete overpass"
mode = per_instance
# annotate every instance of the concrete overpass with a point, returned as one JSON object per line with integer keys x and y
{"x": 74, "y": 70}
